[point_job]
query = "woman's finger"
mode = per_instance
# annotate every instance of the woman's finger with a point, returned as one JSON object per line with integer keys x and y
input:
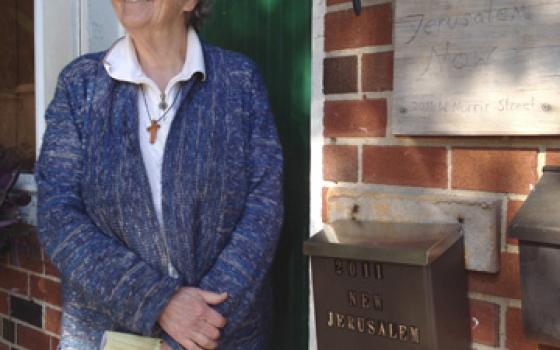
{"x": 208, "y": 330}
{"x": 212, "y": 298}
{"x": 164, "y": 346}
{"x": 190, "y": 345}
{"x": 203, "y": 341}
{"x": 214, "y": 318}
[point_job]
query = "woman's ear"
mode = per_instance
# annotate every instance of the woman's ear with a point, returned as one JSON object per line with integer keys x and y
{"x": 190, "y": 5}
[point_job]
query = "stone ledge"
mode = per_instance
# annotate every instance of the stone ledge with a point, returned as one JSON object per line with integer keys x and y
{"x": 480, "y": 216}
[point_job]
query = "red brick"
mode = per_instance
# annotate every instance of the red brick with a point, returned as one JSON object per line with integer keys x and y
{"x": 345, "y": 30}
{"x": 32, "y": 339}
{"x": 364, "y": 118}
{"x": 547, "y": 347}
{"x": 406, "y": 166}
{"x": 340, "y": 75}
{"x": 4, "y": 347}
{"x": 340, "y": 163}
{"x": 496, "y": 170}
{"x": 52, "y": 320}
{"x": 50, "y": 269}
{"x": 47, "y": 290}
{"x": 325, "y": 208}
{"x": 488, "y": 317}
{"x": 515, "y": 336}
{"x": 54, "y": 343}
{"x": 4, "y": 303}
{"x": 377, "y": 71}
{"x": 553, "y": 157}
{"x": 13, "y": 280}
{"x": 504, "y": 283}
{"x": 512, "y": 209}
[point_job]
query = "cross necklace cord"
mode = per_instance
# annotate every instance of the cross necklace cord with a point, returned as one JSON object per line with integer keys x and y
{"x": 154, "y": 123}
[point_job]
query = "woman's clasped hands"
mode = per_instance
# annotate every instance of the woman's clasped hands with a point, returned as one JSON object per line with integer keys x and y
{"x": 190, "y": 319}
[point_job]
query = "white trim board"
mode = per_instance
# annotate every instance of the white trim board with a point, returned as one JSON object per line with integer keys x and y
{"x": 65, "y": 29}
{"x": 316, "y": 138}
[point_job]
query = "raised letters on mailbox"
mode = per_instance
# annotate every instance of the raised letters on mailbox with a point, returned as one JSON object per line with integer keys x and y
{"x": 363, "y": 269}
{"x": 367, "y": 300}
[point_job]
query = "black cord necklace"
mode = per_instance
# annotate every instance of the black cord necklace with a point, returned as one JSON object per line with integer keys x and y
{"x": 154, "y": 123}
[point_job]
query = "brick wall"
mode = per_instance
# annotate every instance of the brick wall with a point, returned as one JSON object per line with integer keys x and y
{"x": 30, "y": 299}
{"x": 359, "y": 152}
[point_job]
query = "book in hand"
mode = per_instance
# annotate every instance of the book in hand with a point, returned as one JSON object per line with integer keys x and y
{"x": 126, "y": 341}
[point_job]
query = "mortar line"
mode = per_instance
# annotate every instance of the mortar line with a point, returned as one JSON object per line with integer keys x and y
{"x": 410, "y": 190}
{"x": 30, "y": 298}
{"x": 29, "y": 325}
{"x": 502, "y": 329}
{"x": 517, "y": 197}
{"x": 541, "y": 160}
{"x": 503, "y": 225}
{"x": 512, "y": 248}
{"x": 359, "y": 76}
{"x": 360, "y": 163}
{"x": 358, "y": 95}
{"x": 359, "y": 50}
{"x": 33, "y": 273}
{"x": 389, "y": 130}
{"x": 390, "y": 140}
{"x": 484, "y": 347}
{"x": 12, "y": 345}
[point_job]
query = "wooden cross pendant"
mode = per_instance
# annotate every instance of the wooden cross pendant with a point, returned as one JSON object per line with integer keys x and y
{"x": 153, "y": 129}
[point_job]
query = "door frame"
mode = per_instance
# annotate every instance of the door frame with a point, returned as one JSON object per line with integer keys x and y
{"x": 319, "y": 9}
{"x": 65, "y": 29}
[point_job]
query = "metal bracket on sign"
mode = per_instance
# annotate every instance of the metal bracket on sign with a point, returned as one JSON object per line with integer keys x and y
{"x": 357, "y": 7}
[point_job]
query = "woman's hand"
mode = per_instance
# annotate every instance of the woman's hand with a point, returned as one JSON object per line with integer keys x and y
{"x": 191, "y": 321}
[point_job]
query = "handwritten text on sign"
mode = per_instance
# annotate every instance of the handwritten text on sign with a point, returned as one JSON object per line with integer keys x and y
{"x": 477, "y": 67}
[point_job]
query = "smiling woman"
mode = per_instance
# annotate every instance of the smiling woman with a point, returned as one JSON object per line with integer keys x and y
{"x": 160, "y": 192}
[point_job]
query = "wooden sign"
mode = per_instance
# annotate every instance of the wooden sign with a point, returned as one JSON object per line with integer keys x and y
{"x": 477, "y": 67}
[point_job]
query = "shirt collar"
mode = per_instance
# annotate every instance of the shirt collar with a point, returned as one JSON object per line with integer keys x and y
{"x": 121, "y": 62}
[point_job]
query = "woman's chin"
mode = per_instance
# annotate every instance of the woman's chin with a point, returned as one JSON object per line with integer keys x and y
{"x": 134, "y": 14}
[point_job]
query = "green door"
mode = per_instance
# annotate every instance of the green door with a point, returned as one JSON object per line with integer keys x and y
{"x": 277, "y": 35}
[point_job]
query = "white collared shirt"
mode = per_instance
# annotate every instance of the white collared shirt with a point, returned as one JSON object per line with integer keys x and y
{"x": 121, "y": 63}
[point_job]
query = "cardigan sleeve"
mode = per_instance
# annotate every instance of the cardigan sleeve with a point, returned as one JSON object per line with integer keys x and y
{"x": 110, "y": 276}
{"x": 243, "y": 264}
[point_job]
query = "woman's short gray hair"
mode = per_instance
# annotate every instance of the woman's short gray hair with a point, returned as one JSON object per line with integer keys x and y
{"x": 196, "y": 18}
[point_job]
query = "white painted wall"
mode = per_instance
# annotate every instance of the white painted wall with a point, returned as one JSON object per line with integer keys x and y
{"x": 99, "y": 27}
{"x": 64, "y": 29}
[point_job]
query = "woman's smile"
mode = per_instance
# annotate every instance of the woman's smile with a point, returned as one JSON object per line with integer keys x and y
{"x": 152, "y": 15}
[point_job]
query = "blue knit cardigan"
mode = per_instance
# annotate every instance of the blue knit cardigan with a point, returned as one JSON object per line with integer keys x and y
{"x": 222, "y": 202}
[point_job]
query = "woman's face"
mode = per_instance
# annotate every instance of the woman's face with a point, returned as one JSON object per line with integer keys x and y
{"x": 146, "y": 14}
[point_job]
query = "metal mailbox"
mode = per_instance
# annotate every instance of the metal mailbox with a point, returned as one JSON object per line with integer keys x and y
{"x": 537, "y": 226}
{"x": 389, "y": 286}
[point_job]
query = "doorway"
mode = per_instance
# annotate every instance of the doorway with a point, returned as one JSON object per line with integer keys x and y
{"x": 276, "y": 34}
{"x": 17, "y": 82}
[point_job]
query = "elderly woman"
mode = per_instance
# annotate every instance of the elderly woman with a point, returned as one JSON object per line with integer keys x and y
{"x": 159, "y": 181}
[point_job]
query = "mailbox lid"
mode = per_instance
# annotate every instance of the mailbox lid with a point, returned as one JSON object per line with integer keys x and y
{"x": 401, "y": 243}
{"x": 538, "y": 220}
